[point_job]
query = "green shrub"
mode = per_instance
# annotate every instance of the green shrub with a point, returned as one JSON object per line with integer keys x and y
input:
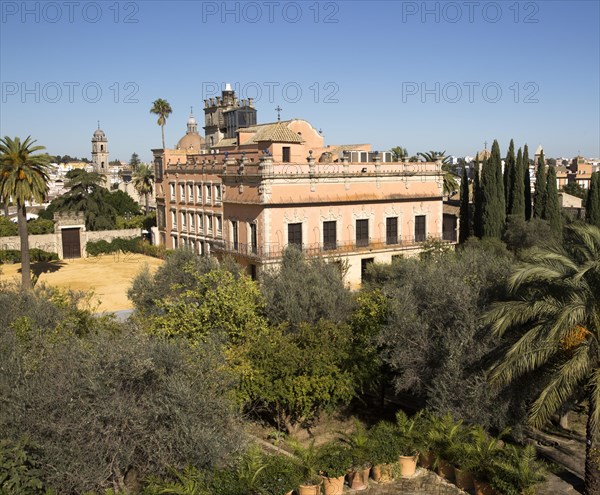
{"x": 334, "y": 460}
{"x": 35, "y": 254}
{"x": 383, "y": 444}
{"x": 119, "y": 244}
{"x": 98, "y": 247}
{"x": 19, "y": 469}
{"x": 8, "y": 228}
{"x": 40, "y": 226}
{"x": 280, "y": 475}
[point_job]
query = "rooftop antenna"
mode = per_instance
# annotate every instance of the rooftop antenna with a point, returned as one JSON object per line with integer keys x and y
{"x": 485, "y": 145}
{"x": 191, "y": 110}
{"x": 278, "y": 109}
{"x": 98, "y": 125}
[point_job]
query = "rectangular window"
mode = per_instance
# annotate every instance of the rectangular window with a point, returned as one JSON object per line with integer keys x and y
{"x": 218, "y": 193}
{"x": 183, "y": 217}
{"x": 190, "y": 193}
{"x": 286, "y": 154}
{"x": 181, "y": 193}
{"x": 219, "y": 225}
{"x": 160, "y": 217}
{"x": 420, "y": 228}
{"x": 200, "y": 223}
{"x": 295, "y": 234}
{"x": 192, "y": 223}
{"x": 158, "y": 169}
{"x": 172, "y": 192}
{"x": 391, "y": 230}
{"x": 329, "y": 235}
{"x": 234, "y": 234}
{"x": 362, "y": 233}
{"x": 364, "y": 264}
{"x": 253, "y": 239}
{"x": 199, "y": 193}
{"x": 209, "y": 223}
{"x": 208, "y": 193}
{"x": 173, "y": 220}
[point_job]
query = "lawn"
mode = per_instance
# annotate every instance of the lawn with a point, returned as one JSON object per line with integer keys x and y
{"x": 107, "y": 276}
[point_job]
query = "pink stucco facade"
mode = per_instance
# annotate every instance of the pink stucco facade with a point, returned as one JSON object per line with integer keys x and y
{"x": 274, "y": 185}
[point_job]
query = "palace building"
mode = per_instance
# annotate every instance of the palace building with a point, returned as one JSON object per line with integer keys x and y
{"x": 250, "y": 190}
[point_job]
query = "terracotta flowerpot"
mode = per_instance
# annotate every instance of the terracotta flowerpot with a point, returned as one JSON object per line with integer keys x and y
{"x": 356, "y": 479}
{"x": 333, "y": 486}
{"x": 445, "y": 470}
{"x": 426, "y": 460}
{"x": 483, "y": 488}
{"x": 365, "y": 472}
{"x": 309, "y": 489}
{"x": 290, "y": 492}
{"x": 408, "y": 465}
{"x": 382, "y": 473}
{"x": 464, "y": 479}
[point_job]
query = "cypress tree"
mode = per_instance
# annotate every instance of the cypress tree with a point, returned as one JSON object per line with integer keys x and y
{"x": 518, "y": 190}
{"x": 493, "y": 211}
{"x": 551, "y": 206}
{"x": 539, "y": 197}
{"x": 592, "y": 205}
{"x": 527, "y": 181}
{"x": 497, "y": 161}
{"x": 465, "y": 221}
{"x": 509, "y": 176}
{"x": 477, "y": 204}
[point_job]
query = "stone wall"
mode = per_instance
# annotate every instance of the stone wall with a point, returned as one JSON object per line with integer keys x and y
{"x": 53, "y": 242}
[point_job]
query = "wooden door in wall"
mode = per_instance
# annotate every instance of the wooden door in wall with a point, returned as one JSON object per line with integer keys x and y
{"x": 71, "y": 243}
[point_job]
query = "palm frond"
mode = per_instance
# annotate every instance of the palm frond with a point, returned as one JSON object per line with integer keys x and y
{"x": 562, "y": 386}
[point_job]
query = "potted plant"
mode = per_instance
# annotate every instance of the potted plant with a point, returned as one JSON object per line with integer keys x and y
{"x": 333, "y": 460}
{"x": 408, "y": 438}
{"x": 423, "y": 440}
{"x": 445, "y": 434}
{"x": 463, "y": 456}
{"x": 384, "y": 450}
{"x": 516, "y": 471}
{"x": 357, "y": 442}
{"x": 282, "y": 474}
{"x": 308, "y": 456}
{"x": 486, "y": 450}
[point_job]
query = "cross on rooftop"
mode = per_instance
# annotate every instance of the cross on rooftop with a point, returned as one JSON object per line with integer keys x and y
{"x": 278, "y": 109}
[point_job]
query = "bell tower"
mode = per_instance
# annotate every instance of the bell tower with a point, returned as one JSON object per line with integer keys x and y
{"x": 100, "y": 151}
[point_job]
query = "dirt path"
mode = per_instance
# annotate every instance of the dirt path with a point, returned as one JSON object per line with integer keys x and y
{"x": 108, "y": 276}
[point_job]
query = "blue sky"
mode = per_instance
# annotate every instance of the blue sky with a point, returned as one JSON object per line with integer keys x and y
{"x": 424, "y": 75}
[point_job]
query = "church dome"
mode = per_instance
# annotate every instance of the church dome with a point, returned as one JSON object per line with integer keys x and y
{"x": 99, "y": 134}
{"x": 483, "y": 155}
{"x": 191, "y": 141}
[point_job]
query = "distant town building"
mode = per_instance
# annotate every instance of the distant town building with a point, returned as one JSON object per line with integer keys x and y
{"x": 100, "y": 152}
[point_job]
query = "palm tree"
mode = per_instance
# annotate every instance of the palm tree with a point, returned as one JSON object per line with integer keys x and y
{"x": 161, "y": 108}
{"x": 450, "y": 183}
{"x": 23, "y": 177}
{"x": 555, "y": 304}
{"x": 142, "y": 182}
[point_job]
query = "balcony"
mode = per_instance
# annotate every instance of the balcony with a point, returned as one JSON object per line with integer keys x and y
{"x": 275, "y": 250}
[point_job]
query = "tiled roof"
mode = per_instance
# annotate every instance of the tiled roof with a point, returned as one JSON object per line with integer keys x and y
{"x": 226, "y": 142}
{"x": 277, "y": 132}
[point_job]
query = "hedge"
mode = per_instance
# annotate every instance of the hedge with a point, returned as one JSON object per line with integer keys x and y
{"x": 35, "y": 254}
{"x": 119, "y": 244}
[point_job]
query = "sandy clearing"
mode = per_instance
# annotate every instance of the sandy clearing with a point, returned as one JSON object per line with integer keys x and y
{"x": 108, "y": 276}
